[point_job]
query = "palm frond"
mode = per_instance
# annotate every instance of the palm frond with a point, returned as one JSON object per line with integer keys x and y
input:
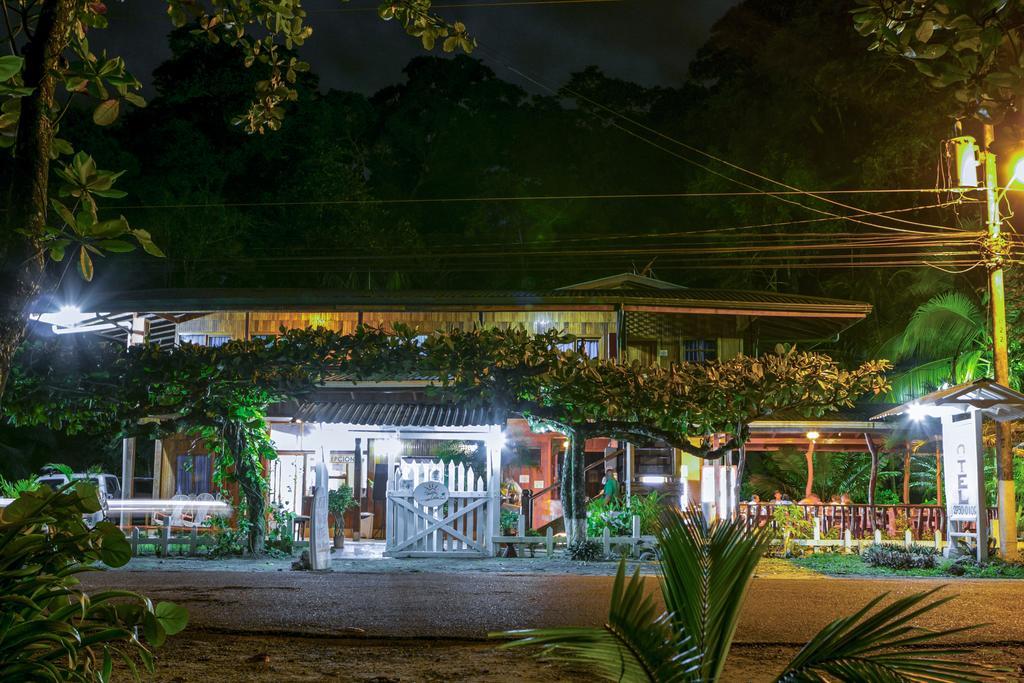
{"x": 707, "y": 569}
{"x": 638, "y": 643}
{"x": 944, "y": 325}
{"x": 865, "y": 647}
{"x": 920, "y": 379}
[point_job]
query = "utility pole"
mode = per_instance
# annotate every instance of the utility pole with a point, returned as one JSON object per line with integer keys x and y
{"x": 994, "y": 253}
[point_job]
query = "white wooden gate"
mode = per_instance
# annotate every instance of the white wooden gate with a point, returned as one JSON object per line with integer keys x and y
{"x": 459, "y": 527}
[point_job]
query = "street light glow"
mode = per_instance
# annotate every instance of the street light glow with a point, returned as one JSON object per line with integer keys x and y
{"x": 1018, "y": 171}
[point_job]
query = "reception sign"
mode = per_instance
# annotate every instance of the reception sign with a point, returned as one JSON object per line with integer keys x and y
{"x": 960, "y": 465}
{"x": 964, "y": 475}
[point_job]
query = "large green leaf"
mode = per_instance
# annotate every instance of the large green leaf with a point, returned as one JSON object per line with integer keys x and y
{"x": 174, "y": 618}
{"x": 10, "y": 65}
{"x": 639, "y": 642}
{"x": 867, "y": 647}
{"x": 707, "y": 569}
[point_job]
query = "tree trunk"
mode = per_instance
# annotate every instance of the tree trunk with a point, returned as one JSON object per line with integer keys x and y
{"x": 574, "y": 496}
{"x": 255, "y": 502}
{"x": 873, "y": 478}
{"x": 251, "y": 485}
{"x": 21, "y": 254}
{"x": 810, "y": 470}
{"x": 906, "y": 476}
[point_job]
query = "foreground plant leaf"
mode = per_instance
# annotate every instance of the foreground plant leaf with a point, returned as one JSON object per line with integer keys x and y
{"x": 638, "y": 643}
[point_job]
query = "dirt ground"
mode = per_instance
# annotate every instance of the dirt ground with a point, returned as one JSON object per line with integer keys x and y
{"x": 223, "y": 658}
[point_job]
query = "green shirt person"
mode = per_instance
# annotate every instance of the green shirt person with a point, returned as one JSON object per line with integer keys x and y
{"x": 611, "y": 486}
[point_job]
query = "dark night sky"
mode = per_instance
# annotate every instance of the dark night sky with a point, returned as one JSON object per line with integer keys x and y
{"x": 646, "y": 41}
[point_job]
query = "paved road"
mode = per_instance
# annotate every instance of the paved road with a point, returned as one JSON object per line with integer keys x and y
{"x": 468, "y": 605}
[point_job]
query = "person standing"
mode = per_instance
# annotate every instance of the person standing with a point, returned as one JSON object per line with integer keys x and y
{"x": 611, "y": 486}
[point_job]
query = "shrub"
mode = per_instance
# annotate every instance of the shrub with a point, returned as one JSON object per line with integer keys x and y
{"x": 899, "y": 557}
{"x": 617, "y": 515}
{"x": 791, "y": 518}
{"x": 281, "y": 535}
{"x": 229, "y": 542}
{"x": 585, "y": 550}
{"x": 648, "y": 508}
{"x": 610, "y": 515}
{"x": 340, "y": 501}
{"x": 50, "y": 629}
{"x": 509, "y": 521}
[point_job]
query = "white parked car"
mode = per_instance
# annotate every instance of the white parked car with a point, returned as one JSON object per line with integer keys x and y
{"x": 108, "y": 484}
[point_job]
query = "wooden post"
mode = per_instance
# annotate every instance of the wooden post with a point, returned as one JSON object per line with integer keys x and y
{"x": 193, "y": 542}
{"x": 810, "y": 469}
{"x": 938, "y": 541}
{"x": 127, "y": 476}
{"x": 908, "y": 538}
{"x": 549, "y": 542}
{"x": 165, "y": 540}
{"x": 938, "y": 473}
{"x": 606, "y": 541}
{"x": 848, "y": 541}
{"x": 494, "y": 445}
{"x": 521, "y": 527}
{"x": 629, "y": 470}
{"x": 878, "y": 535}
{"x": 133, "y": 541}
{"x": 873, "y": 479}
{"x": 636, "y": 535}
{"x": 817, "y": 529}
{"x": 906, "y": 474}
{"x": 158, "y": 466}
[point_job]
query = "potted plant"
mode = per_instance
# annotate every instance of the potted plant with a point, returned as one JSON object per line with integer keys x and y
{"x": 339, "y": 501}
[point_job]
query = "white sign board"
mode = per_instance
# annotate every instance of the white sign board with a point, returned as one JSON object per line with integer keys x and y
{"x": 431, "y": 494}
{"x": 960, "y": 467}
{"x": 319, "y": 538}
{"x": 963, "y": 474}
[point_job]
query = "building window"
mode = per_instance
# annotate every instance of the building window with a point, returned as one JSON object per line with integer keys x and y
{"x": 197, "y": 339}
{"x": 194, "y": 475}
{"x": 700, "y": 350}
{"x": 212, "y": 340}
{"x": 586, "y": 347}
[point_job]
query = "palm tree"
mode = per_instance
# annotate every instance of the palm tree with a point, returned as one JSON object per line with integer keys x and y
{"x": 707, "y": 570}
{"x": 946, "y": 341}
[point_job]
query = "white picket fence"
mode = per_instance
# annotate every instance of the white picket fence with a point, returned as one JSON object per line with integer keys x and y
{"x": 163, "y": 539}
{"x": 460, "y": 527}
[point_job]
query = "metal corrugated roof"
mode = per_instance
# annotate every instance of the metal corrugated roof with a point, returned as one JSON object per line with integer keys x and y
{"x": 389, "y": 414}
{"x": 188, "y": 300}
{"x": 997, "y": 401}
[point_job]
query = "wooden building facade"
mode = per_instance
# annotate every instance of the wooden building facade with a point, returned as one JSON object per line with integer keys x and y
{"x": 624, "y": 317}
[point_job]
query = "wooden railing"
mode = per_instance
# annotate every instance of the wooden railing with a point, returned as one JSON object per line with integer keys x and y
{"x": 862, "y": 520}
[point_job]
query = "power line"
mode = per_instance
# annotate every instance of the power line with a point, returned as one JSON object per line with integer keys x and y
{"x": 521, "y": 198}
{"x": 458, "y": 5}
{"x": 619, "y": 115}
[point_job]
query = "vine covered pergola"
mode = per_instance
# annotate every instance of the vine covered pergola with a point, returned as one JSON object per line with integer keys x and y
{"x": 222, "y": 394}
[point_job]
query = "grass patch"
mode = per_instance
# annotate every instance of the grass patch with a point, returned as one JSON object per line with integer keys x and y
{"x": 836, "y": 564}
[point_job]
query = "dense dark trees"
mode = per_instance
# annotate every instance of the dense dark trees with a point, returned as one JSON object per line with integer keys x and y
{"x": 787, "y": 90}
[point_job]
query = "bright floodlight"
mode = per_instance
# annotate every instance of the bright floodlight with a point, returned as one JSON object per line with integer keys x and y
{"x": 67, "y": 316}
{"x": 813, "y": 435}
{"x": 916, "y": 412}
{"x": 1018, "y": 171}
